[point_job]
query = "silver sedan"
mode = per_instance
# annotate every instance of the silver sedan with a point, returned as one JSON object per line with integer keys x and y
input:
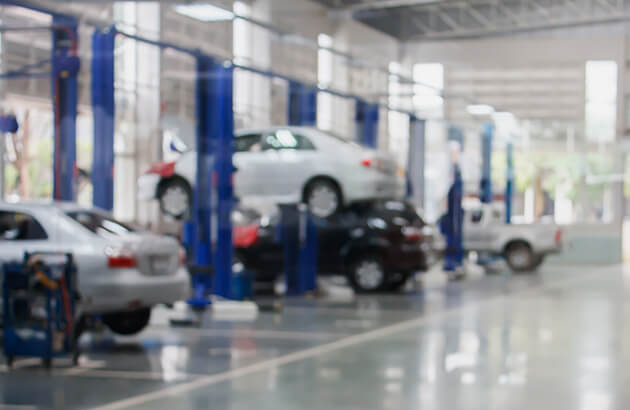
{"x": 122, "y": 271}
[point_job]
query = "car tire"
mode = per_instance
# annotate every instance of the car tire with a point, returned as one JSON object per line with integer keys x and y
{"x": 128, "y": 323}
{"x": 520, "y": 257}
{"x": 175, "y": 198}
{"x": 323, "y": 197}
{"x": 394, "y": 285}
{"x": 367, "y": 274}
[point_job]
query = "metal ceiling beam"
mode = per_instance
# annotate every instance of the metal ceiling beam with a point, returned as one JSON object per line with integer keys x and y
{"x": 388, "y": 4}
{"x": 485, "y": 18}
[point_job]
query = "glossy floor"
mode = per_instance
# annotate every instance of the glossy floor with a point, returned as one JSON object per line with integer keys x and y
{"x": 559, "y": 339}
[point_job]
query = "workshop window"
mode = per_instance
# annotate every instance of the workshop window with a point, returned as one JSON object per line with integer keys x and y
{"x": 18, "y": 226}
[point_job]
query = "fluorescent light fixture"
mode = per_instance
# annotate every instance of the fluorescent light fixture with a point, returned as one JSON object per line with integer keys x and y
{"x": 479, "y": 109}
{"x": 204, "y": 12}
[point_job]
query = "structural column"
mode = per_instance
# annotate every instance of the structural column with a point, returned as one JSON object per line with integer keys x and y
{"x": 103, "y": 111}
{"x": 416, "y": 161}
{"x": 65, "y": 68}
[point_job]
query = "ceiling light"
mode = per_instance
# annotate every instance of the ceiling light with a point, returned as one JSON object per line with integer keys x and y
{"x": 479, "y": 109}
{"x": 204, "y": 12}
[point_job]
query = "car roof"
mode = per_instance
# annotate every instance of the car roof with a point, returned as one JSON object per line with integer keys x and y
{"x": 64, "y": 206}
{"x": 278, "y": 127}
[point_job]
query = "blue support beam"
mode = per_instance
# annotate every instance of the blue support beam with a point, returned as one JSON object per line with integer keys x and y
{"x": 222, "y": 127}
{"x": 366, "y": 117}
{"x": 485, "y": 186}
{"x": 65, "y": 68}
{"x": 302, "y": 104}
{"x": 213, "y": 195}
{"x": 104, "y": 115}
{"x": 509, "y": 183}
{"x": 202, "y": 201}
{"x": 451, "y": 224}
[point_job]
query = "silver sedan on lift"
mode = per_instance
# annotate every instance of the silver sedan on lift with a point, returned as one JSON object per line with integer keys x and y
{"x": 122, "y": 271}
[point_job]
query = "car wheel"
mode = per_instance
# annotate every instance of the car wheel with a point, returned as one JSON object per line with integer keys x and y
{"x": 520, "y": 257}
{"x": 128, "y": 323}
{"x": 175, "y": 198}
{"x": 368, "y": 275}
{"x": 398, "y": 282}
{"x": 323, "y": 197}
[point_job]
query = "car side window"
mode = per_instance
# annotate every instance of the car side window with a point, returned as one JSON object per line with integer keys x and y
{"x": 18, "y": 226}
{"x": 247, "y": 143}
{"x": 286, "y": 139}
{"x": 476, "y": 216}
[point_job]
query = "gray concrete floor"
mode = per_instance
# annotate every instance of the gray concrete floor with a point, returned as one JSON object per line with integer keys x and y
{"x": 558, "y": 339}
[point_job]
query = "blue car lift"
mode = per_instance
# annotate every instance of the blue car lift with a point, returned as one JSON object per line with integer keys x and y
{"x": 64, "y": 70}
{"x": 298, "y": 230}
{"x": 366, "y": 117}
{"x": 452, "y": 224}
{"x": 302, "y": 105}
{"x": 103, "y": 110}
{"x": 208, "y": 233}
{"x": 485, "y": 186}
{"x": 509, "y": 183}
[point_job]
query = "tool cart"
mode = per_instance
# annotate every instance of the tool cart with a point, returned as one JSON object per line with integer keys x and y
{"x": 39, "y": 297}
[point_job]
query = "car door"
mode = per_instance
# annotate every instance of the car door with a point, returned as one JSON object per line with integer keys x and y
{"x": 477, "y": 232}
{"x": 292, "y": 160}
{"x": 252, "y": 165}
{"x": 21, "y": 232}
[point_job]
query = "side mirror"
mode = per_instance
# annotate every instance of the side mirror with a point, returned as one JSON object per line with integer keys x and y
{"x": 173, "y": 147}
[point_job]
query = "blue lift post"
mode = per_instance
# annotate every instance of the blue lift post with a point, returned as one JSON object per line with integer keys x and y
{"x": 485, "y": 186}
{"x": 221, "y": 125}
{"x": 298, "y": 230}
{"x": 452, "y": 224}
{"x": 366, "y": 117}
{"x": 103, "y": 110}
{"x": 65, "y": 68}
{"x": 509, "y": 183}
{"x": 302, "y": 105}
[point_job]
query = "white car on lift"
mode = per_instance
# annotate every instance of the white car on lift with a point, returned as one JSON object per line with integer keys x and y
{"x": 285, "y": 165}
{"x": 122, "y": 271}
{"x": 524, "y": 246}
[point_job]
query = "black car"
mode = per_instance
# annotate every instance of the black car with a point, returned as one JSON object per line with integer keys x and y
{"x": 378, "y": 245}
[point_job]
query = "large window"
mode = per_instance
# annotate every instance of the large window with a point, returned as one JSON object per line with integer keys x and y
{"x": 601, "y": 101}
{"x": 427, "y": 98}
{"x": 324, "y": 78}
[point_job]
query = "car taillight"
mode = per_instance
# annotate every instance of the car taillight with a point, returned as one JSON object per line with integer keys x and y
{"x": 245, "y": 236}
{"x": 558, "y": 237}
{"x": 120, "y": 257}
{"x": 182, "y": 256}
{"x": 413, "y": 234}
{"x": 163, "y": 169}
{"x": 367, "y": 162}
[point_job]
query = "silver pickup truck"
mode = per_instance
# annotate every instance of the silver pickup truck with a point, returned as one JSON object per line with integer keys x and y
{"x": 524, "y": 246}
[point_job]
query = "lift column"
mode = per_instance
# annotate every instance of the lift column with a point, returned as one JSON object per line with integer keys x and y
{"x": 302, "y": 105}
{"x": 509, "y": 183}
{"x": 221, "y": 124}
{"x": 103, "y": 112}
{"x": 485, "y": 188}
{"x": 65, "y": 68}
{"x": 366, "y": 117}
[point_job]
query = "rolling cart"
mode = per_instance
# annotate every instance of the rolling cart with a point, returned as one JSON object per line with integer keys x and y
{"x": 39, "y": 304}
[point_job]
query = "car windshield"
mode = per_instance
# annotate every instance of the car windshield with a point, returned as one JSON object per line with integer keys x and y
{"x": 101, "y": 224}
